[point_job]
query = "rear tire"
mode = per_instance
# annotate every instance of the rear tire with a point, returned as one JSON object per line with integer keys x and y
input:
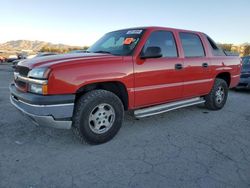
{"x": 98, "y": 116}
{"x": 217, "y": 98}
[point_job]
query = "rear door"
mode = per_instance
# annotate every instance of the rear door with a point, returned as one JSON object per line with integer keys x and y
{"x": 197, "y": 78}
{"x": 156, "y": 79}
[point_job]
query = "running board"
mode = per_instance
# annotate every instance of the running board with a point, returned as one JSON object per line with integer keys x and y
{"x": 154, "y": 110}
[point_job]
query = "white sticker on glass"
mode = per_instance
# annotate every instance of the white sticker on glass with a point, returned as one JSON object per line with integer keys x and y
{"x": 134, "y": 32}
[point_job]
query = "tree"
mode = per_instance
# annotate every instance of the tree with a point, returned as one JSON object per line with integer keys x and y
{"x": 44, "y": 49}
{"x": 58, "y": 49}
{"x": 226, "y": 47}
{"x": 85, "y": 47}
{"x": 246, "y": 50}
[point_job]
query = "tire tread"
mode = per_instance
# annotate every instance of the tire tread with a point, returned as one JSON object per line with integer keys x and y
{"x": 82, "y": 103}
{"x": 210, "y": 101}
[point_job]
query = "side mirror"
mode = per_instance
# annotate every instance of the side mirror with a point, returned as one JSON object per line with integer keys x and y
{"x": 151, "y": 52}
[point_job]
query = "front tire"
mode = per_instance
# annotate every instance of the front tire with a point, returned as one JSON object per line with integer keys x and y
{"x": 98, "y": 116}
{"x": 217, "y": 98}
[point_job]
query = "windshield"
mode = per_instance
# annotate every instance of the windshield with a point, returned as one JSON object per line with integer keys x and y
{"x": 118, "y": 42}
{"x": 246, "y": 63}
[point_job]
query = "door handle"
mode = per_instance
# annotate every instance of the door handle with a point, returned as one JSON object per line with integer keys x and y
{"x": 178, "y": 66}
{"x": 205, "y": 65}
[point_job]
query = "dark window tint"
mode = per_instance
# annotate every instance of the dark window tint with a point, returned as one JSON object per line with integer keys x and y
{"x": 246, "y": 63}
{"x": 165, "y": 40}
{"x": 192, "y": 45}
{"x": 215, "y": 49}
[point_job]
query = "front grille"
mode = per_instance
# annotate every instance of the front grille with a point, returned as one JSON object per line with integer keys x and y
{"x": 23, "y": 71}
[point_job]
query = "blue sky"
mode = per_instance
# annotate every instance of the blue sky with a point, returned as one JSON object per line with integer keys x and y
{"x": 79, "y": 22}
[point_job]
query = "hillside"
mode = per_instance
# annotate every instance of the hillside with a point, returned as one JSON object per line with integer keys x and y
{"x": 18, "y": 45}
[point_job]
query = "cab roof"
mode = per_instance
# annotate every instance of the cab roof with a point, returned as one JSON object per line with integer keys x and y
{"x": 159, "y": 28}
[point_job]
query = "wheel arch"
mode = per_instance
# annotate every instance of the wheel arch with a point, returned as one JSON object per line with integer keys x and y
{"x": 225, "y": 76}
{"x": 116, "y": 87}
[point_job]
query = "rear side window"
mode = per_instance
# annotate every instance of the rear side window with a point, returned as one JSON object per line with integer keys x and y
{"x": 165, "y": 40}
{"x": 215, "y": 49}
{"x": 192, "y": 45}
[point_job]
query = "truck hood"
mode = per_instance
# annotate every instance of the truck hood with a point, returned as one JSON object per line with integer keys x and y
{"x": 53, "y": 60}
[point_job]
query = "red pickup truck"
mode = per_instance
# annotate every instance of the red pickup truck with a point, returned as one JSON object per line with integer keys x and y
{"x": 147, "y": 70}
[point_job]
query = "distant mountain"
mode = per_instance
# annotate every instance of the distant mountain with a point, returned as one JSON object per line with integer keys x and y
{"x": 17, "y": 45}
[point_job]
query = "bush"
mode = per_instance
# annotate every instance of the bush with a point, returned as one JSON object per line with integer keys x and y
{"x": 61, "y": 49}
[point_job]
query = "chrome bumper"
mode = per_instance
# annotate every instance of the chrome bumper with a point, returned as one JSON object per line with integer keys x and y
{"x": 46, "y": 115}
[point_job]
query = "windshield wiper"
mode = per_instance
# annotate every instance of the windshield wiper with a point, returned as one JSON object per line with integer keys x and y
{"x": 102, "y": 51}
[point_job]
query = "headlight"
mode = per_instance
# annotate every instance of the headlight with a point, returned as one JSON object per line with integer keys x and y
{"x": 40, "y": 73}
{"x": 38, "y": 88}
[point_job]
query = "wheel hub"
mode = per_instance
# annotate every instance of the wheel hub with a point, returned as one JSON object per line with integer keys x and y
{"x": 220, "y": 94}
{"x": 101, "y": 118}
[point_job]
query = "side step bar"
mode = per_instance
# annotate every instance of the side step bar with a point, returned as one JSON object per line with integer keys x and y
{"x": 154, "y": 110}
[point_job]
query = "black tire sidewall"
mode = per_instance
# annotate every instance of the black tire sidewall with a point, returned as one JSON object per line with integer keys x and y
{"x": 220, "y": 83}
{"x": 87, "y": 107}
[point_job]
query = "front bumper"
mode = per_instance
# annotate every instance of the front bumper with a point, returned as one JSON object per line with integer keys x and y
{"x": 53, "y": 111}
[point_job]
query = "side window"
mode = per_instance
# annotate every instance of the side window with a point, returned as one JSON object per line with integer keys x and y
{"x": 165, "y": 40}
{"x": 215, "y": 49}
{"x": 192, "y": 45}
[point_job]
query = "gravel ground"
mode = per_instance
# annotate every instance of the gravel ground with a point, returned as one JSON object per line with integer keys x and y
{"x": 190, "y": 147}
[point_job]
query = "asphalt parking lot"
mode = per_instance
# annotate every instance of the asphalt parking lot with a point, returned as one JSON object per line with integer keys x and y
{"x": 190, "y": 147}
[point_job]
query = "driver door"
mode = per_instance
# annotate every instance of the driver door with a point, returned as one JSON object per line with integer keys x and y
{"x": 159, "y": 80}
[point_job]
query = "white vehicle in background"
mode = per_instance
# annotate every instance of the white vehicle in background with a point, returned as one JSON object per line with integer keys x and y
{"x": 12, "y": 58}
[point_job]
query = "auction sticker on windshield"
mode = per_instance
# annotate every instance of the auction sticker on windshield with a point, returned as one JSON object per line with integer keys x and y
{"x": 134, "y": 32}
{"x": 128, "y": 41}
